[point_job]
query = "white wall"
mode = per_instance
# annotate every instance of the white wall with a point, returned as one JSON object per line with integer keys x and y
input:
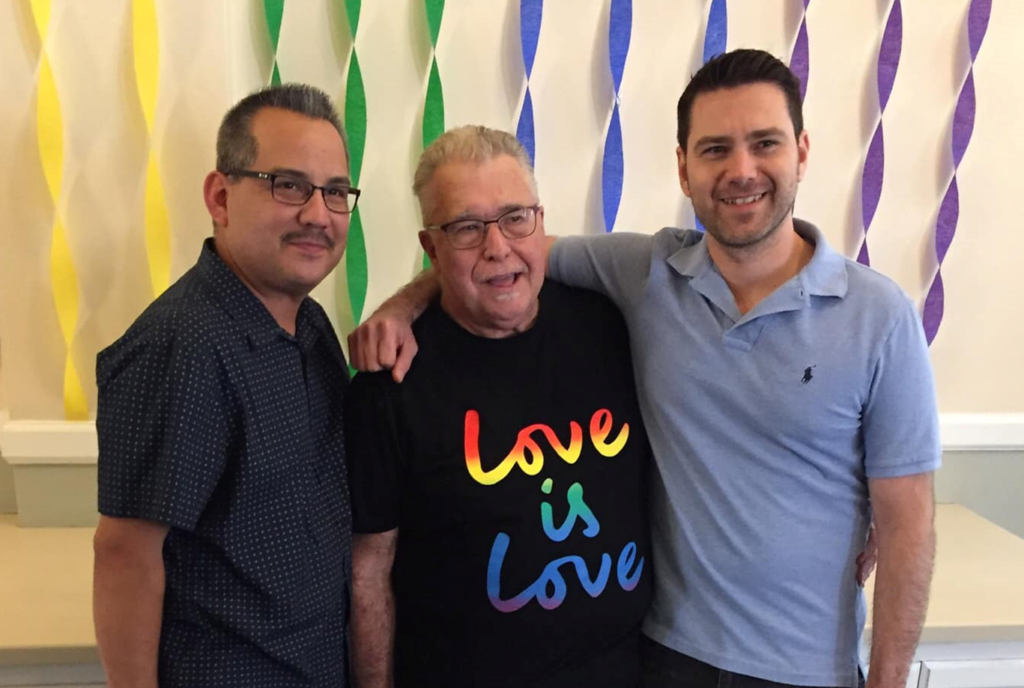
{"x": 214, "y": 51}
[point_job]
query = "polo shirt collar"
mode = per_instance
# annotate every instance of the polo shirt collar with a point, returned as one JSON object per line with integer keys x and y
{"x": 824, "y": 274}
{"x": 244, "y": 307}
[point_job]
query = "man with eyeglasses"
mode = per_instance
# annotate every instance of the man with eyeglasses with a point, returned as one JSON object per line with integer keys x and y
{"x": 501, "y": 533}
{"x": 790, "y": 401}
{"x": 223, "y": 552}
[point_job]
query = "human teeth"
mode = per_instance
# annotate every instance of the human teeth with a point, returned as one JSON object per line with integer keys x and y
{"x": 741, "y": 201}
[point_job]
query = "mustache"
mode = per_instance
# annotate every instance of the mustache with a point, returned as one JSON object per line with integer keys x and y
{"x": 320, "y": 238}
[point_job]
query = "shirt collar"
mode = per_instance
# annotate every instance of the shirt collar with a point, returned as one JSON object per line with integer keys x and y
{"x": 824, "y": 274}
{"x": 245, "y": 308}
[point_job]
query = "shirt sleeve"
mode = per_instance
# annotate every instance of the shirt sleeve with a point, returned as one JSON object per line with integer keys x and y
{"x": 162, "y": 427}
{"x": 374, "y": 454}
{"x": 900, "y": 420}
{"x": 616, "y": 265}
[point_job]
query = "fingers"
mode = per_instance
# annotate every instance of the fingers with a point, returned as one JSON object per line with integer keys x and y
{"x": 383, "y": 342}
{"x": 406, "y": 353}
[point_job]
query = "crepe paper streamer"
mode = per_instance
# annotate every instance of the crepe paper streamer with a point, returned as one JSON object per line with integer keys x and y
{"x": 356, "y": 263}
{"x": 63, "y": 278}
{"x": 620, "y": 25}
{"x": 433, "y": 106}
{"x": 274, "y": 9}
{"x": 800, "y": 61}
{"x": 716, "y": 33}
{"x": 963, "y": 126}
{"x": 530, "y": 13}
{"x": 715, "y": 39}
{"x": 146, "y": 51}
{"x": 874, "y": 164}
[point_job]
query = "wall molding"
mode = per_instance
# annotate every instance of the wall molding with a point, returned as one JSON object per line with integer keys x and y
{"x": 28, "y": 442}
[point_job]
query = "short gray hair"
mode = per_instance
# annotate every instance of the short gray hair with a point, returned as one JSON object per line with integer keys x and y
{"x": 237, "y": 147}
{"x": 470, "y": 143}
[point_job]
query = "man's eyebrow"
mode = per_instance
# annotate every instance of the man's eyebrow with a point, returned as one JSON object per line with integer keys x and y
{"x": 712, "y": 140}
{"x": 770, "y": 132}
{"x": 473, "y": 215}
{"x": 299, "y": 174}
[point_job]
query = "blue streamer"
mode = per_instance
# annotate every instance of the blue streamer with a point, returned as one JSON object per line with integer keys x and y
{"x": 530, "y": 13}
{"x": 715, "y": 40}
{"x": 611, "y": 178}
{"x": 718, "y": 28}
{"x": 620, "y": 27}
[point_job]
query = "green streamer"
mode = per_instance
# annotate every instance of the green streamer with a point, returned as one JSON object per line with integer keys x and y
{"x": 274, "y": 9}
{"x": 351, "y": 290}
{"x": 433, "y": 106}
{"x": 435, "y": 8}
{"x": 352, "y": 8}
{"x": 433, "y": 109}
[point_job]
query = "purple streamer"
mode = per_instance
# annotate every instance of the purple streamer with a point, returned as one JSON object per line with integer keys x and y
{"x": 530, "y": 14}
{"x": 874, "y": 163}
{"x": 800, "y": 62}
{"x": 960, "y": 136}
{"x": 620, "y": 27}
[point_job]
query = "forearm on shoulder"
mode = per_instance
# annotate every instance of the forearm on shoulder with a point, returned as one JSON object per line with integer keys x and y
{"x": 128, "y": 594}
{"x": 373, "y": 610}
{"x": 904, "y": 514}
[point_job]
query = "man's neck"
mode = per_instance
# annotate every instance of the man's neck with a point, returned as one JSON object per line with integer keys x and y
{"x": 754, "y": 272}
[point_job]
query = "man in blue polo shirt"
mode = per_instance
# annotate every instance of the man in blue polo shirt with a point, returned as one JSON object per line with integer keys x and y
{"x": 223, "y": 550}
{"x": 788, "y": 396}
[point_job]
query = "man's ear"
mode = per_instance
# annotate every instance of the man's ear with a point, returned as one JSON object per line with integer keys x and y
{"x": 684, "y": 179}
{"x": 215, "y": 195}
{"x": 803, "y": 149}
{"x": 427, "y": 242}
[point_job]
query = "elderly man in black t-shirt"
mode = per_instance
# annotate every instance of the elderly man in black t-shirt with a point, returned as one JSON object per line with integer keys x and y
{"x": 223, "y": 548}
{"x": 501, "y": 537}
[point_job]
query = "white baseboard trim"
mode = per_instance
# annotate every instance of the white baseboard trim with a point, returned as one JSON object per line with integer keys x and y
{"x": 982, "y": 431}
{"x": 63, "y": 442}
{"x": 24, "y": 442}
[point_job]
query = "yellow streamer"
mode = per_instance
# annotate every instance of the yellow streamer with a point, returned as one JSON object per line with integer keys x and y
{"x": 146, "y": 49}
{"x": 64, "y": 280}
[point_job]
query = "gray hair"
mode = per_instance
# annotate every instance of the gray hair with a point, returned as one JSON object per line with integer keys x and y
{"x": 237, "y": 147}
{"x": 470, "y": 143}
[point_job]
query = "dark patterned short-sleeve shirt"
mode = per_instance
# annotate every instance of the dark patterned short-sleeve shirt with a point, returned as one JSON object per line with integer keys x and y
{"x": 215, "y": 421}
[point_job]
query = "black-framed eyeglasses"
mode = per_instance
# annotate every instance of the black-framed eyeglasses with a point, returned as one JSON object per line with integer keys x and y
{"x": 297, "y": 191}
{"x": 517, "y": 223}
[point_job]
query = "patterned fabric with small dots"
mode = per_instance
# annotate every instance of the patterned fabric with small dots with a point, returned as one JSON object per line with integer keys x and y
{"x": 215, "y": 421}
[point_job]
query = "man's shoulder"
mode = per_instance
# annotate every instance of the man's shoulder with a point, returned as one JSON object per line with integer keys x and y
{"x": 187, "y": 315}
{"x": 871, "y": 289}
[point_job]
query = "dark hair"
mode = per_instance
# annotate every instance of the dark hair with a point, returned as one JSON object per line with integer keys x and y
{"x": 236, "y": 146}
{"x": 739, "y": 68}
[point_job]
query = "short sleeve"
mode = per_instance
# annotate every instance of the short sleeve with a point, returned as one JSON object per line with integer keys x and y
{"x": 900, "y": 419}
{"x": 616, "y": 265}
{"x": 374, "y": 454}
{"x": 162, "y": 426}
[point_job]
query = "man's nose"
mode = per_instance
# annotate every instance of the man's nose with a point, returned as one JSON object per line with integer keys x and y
{"x": 314, "y": 211}
{"x": 495, "y": 243}
{"x": 741, "y": 166}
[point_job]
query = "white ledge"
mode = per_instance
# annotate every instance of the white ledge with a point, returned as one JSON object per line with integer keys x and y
{"x": 982, "y": 431}
{"x": 24, "y": 442}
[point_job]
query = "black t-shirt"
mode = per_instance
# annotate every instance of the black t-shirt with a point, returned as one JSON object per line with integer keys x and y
{"x": 514, "y": 470}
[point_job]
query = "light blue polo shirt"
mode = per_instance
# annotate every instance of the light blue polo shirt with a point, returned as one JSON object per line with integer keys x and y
{"x": 765, "y": 428}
